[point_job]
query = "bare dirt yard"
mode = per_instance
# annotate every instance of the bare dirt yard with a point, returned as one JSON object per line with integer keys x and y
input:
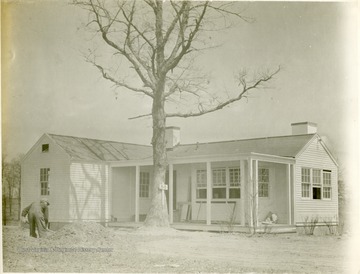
{"x": 89, "y": 247}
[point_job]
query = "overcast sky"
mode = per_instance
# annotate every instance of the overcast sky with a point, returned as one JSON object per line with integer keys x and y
{"x": 49, "y": 88}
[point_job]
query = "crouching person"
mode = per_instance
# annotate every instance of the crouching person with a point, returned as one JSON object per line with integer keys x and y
{"x": 38, "y": 217}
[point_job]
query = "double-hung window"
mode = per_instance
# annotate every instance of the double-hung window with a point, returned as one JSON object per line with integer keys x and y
{"x": 144, "y": 184}
{"x": 44, "y": 181}
{"x": 225, "y": 183}
{"x": 234, "y": 183}
{"x": 263, "y": 179}
{"x": 219, "y": 183}
{"x": 315, "y": 183}
{"x": 305, "y": 182}
{"x": 201, "y": 184}
{"x": 326, "y": 184}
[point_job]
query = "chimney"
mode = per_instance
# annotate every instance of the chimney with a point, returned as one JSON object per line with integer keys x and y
{"x": 172, "y": 137}
{"x": 303, "y": 128}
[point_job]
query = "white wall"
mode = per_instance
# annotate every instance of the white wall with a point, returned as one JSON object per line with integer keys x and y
{"x": 58, "y": 162}
{"x": 88, "y": 191}
{"x": 315, "y": 156}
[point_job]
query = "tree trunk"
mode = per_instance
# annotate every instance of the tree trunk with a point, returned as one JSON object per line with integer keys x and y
{"x": 158, "y": 214}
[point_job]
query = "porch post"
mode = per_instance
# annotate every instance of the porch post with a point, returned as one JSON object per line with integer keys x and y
{"x": 289, "y": 191}
{"x": 256, "y": 192}
{"x": 242, "y": 191}
{"x": 294, "y": 194}
{"x": 208, "y": 193}
{"x": 137, "y": 188}
{"x": 251, "y": 191}
{"x": 171, "y": 193}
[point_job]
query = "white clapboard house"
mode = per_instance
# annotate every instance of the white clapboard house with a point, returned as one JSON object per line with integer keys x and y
{"x": 238, "y": 182}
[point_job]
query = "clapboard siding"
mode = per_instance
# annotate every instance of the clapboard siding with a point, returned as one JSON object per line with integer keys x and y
{"x": 316, "y": 157}
{"x": 88, "y": 191}
{"x": 58, "y": 162}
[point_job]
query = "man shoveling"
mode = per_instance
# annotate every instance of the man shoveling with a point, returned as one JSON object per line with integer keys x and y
{"x": 38, "y": 217}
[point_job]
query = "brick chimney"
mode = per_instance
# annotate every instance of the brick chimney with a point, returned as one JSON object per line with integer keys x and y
{"x": 172, "y": 137}
{"x": 303, "y": 128}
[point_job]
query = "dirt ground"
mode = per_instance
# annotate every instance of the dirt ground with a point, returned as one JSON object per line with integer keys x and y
{"x": 89, "y": 247}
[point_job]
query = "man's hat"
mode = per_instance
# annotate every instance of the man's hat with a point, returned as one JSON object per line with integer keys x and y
{"x": 45, "y": 200}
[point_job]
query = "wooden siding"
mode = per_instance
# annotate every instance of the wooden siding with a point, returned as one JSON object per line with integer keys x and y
{"x": 315, "y": 156}
{"x": 58, "y": 162}
{"x": 88, "y": 192}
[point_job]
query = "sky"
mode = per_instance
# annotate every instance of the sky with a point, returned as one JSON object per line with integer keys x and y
{"x": 47, "y": 87}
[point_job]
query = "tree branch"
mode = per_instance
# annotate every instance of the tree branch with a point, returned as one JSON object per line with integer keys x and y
{"x": 242, "y": 94}
{"x": 120, "y": 84}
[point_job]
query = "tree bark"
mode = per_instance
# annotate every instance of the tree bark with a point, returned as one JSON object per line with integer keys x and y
{"x": 158, "y": 213}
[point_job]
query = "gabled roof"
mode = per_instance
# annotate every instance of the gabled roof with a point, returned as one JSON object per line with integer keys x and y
{"x": 98, "y": 150}
{"x": 284, "y": 146}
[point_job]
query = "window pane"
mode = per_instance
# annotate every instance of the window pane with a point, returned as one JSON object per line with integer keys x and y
{"x": 201, "y": 178}
{"x": 317, "y": 177}
{"x": 234, "y": 193}
{"x": 219, "y": 177}
{"x": 327, "y": 178}
{"x": 263, "y": 190}
{"x": 305, "y": 190}
{"x": 327, "y": 193}
{"x": 219, "y": 193}
{"x": 144, "y": 184}
{"x": 201, "y": 193}
{"x": 44, "y": 181}
{"x": 305, "y": 175}
{"x": 234, "y": 176}
{"x": 263, "y": 174}
{"x": 316, "y": 193}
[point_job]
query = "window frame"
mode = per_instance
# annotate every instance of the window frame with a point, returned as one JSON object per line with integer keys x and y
{"x": 44, "y": 181}
{"x": 144, "y": 184}
{"x": 262, "y": 184}
{"x": 317, "y": 181}
{"x": 222, "y": 184}
{"x": 233, "y": 185}
{"x": 201, "y": 183}
{"x": 306, "y": 183}
{"x": 201, "y": 187}
{"x": 45, "y": 148}
{"x": 327, "y": 186}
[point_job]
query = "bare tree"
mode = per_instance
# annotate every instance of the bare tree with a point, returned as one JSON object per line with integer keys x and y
{"x": 159, "y": 41}
{"x": 11, "y": 180}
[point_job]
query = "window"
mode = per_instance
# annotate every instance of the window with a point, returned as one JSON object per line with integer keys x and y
{"x": 144, "y": 184}
{"x": 44, "y": 181}
{"x": 327, "y": 184}
{"x": 45, "y": 148}
{"x": 225, "y": 183}
{"x": 317, "y": 181}
{"x": 219, "y": 183}
{"x": 263, "y": 179}
{"x": 234, "y": 180}
{"x": 316, "y": 184}
{"x": 305, "y": 182}
{"x": 201, "y": 184}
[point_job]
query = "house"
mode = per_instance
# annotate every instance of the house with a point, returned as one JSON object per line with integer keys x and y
{"x": 241, "y": 181}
